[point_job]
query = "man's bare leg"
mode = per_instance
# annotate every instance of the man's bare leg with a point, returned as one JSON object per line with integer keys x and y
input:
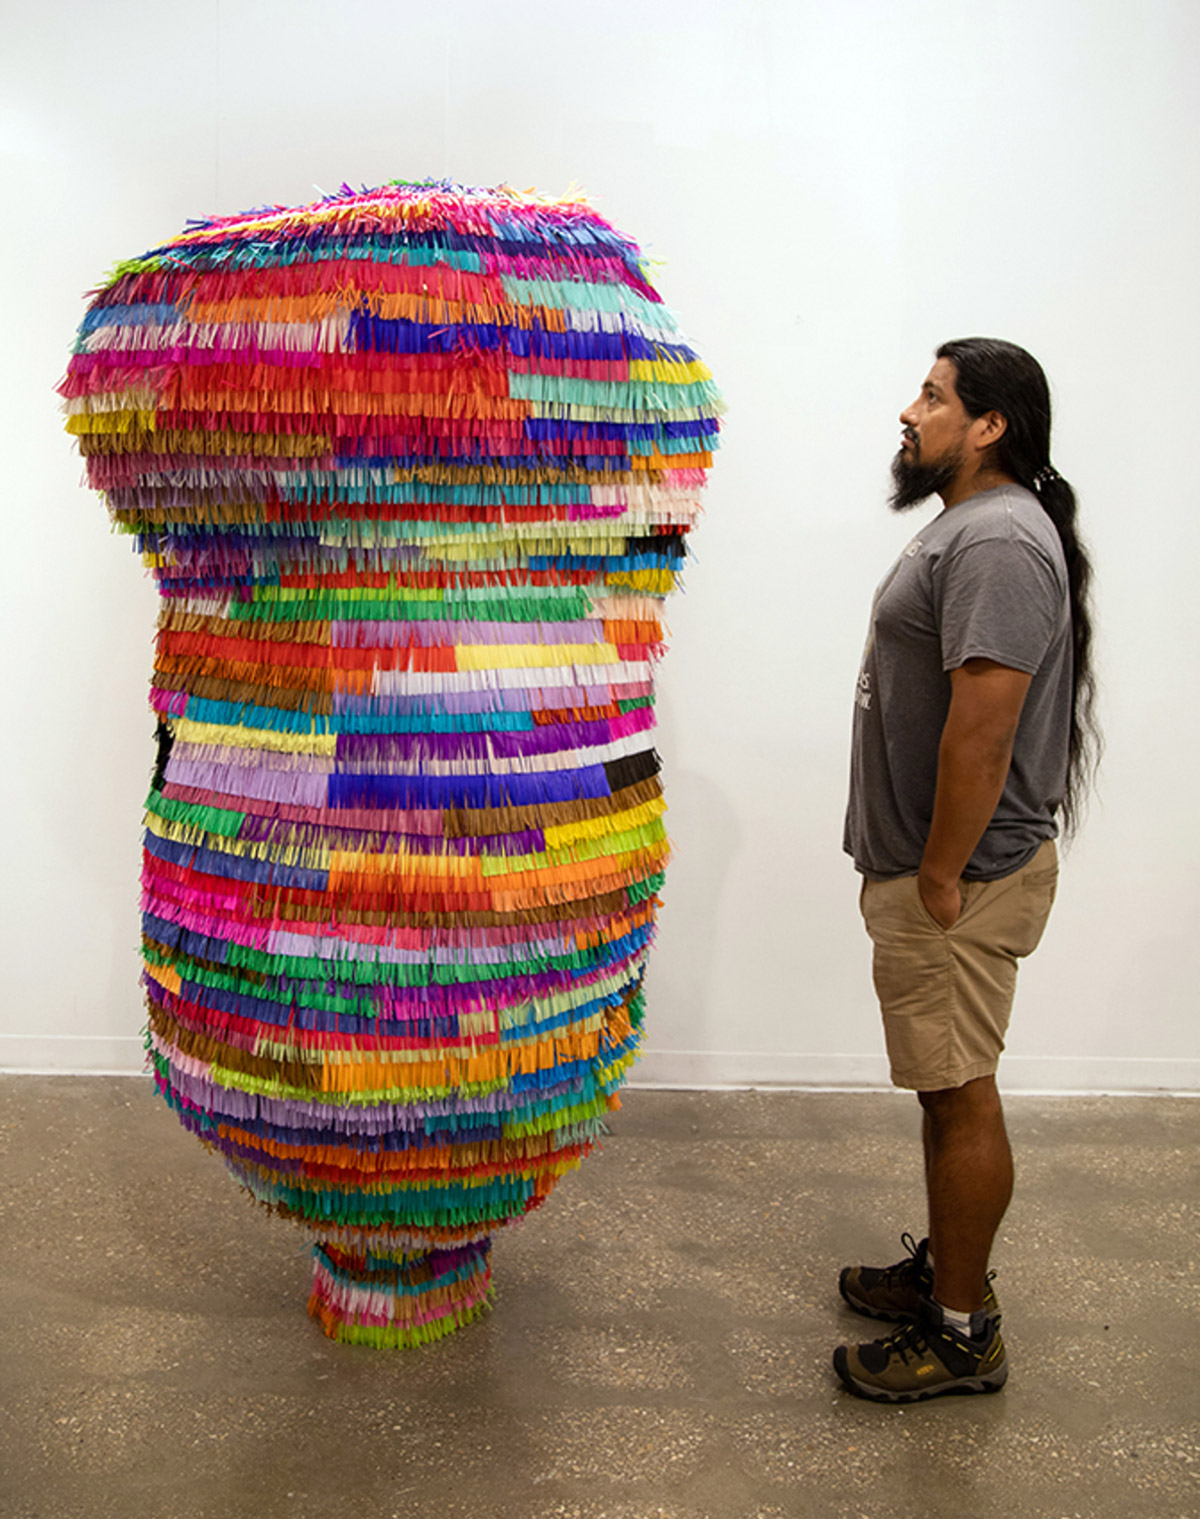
{"x": 969, "y": 1180}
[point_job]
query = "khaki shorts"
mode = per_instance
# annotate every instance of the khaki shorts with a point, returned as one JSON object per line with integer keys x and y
{"x": 946, "y": 994}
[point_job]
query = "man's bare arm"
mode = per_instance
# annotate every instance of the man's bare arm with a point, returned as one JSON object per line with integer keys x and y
{"x": 973, "y": 759}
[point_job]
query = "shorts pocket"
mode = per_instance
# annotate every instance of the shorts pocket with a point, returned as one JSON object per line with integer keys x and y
{"x": 889, "y": 910}
{"x": 1030, "y": 911}
{"x": 926, "y": 916}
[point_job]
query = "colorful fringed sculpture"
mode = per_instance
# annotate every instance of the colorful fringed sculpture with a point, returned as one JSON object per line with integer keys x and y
{"x": 413, "y": 469}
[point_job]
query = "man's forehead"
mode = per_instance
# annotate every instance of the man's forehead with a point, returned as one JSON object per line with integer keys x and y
{"x": 942, "y": 376}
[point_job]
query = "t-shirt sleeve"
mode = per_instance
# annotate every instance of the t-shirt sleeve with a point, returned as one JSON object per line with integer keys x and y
{"x": 997, "y": 599}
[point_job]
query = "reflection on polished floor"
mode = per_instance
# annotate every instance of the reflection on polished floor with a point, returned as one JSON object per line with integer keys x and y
{"x": 661, "y": 1341}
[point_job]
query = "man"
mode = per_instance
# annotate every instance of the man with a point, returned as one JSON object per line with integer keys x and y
{"x": 972, "y": 734}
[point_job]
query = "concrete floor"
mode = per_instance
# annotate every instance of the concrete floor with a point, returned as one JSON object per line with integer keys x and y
{"x": 660, "y": 1346}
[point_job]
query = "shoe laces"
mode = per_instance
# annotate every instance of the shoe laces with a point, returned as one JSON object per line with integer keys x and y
{"x": 908, "y": 1339}
{"x": 905, "y": 1267}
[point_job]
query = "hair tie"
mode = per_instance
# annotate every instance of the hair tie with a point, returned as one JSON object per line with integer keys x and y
{"x": 1044, "y": 477}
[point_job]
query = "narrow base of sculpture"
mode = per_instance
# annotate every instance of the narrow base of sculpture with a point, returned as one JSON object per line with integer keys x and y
{"x": 402, "y": 1299}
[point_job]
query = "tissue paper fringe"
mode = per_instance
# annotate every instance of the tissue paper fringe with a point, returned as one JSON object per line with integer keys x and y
{"x": 414, "y": 469}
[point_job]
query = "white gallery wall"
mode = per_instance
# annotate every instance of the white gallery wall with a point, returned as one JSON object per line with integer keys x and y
{"x": 830, "y": 190}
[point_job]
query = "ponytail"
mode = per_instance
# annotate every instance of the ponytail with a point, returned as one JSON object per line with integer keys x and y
{"x": 1083, "y": 747}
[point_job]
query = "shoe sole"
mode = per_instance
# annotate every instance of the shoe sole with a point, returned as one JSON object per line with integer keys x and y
{"x": 963, "y": 1387}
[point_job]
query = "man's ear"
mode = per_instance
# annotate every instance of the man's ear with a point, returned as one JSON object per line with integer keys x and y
{"x": 988, "y": 429}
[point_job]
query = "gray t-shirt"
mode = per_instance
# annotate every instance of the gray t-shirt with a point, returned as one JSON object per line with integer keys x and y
{"x": 985, "y": 579}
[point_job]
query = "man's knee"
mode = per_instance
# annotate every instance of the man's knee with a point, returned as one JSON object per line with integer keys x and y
{"x": 975, "y": 1101}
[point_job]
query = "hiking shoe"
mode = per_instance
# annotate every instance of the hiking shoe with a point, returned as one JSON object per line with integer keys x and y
{"x": 895, "y": 1292}
{"x": 924, "y": 1360}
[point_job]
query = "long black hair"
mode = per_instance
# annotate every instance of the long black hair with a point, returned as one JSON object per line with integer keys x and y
{"x": 992, "y": 375}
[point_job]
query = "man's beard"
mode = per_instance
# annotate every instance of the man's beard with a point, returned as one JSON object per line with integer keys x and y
{"x": 914, "y": 482}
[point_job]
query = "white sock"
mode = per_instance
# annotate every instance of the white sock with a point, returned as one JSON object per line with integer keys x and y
{"x": 953, "y": 1319}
